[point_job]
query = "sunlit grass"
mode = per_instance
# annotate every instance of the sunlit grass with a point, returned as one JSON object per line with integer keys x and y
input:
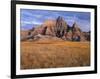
{"x": 53, "y": 54}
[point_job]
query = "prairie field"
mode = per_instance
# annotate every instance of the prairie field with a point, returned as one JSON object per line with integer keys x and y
{"x": 53, "y": 54}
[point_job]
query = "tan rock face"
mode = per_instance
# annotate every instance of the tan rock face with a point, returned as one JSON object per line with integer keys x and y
{"x": 76, "y": 32}
{"x": 69, "y": 35}
{"x": 39, "y": 30}
{"x": 50, "y": 24}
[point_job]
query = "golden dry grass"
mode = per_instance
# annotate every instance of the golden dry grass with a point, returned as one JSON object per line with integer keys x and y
{"x": 54, "y": 54}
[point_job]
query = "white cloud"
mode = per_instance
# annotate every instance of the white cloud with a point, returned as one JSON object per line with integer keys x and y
{"x": 30, "y": 22}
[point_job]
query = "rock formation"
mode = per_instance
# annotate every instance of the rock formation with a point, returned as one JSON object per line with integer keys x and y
{"x": 69, "y": 33}
{"x": 61, "y": 27}
{"x": 76, "y": 32}
{"x": 50, "y": 24}
{"x": 57, "y": 28}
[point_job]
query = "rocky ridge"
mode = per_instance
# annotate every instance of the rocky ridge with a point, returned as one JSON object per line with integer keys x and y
{"x": 57, "y": 29}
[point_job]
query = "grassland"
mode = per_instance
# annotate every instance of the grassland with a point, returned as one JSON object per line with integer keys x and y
{"x": 53, "y": 54}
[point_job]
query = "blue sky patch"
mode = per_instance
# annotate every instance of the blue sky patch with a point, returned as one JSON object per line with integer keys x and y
{"x": 31, "y": 18}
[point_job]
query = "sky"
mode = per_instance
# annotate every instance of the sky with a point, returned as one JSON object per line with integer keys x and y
{"x": 31, "y": 18}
